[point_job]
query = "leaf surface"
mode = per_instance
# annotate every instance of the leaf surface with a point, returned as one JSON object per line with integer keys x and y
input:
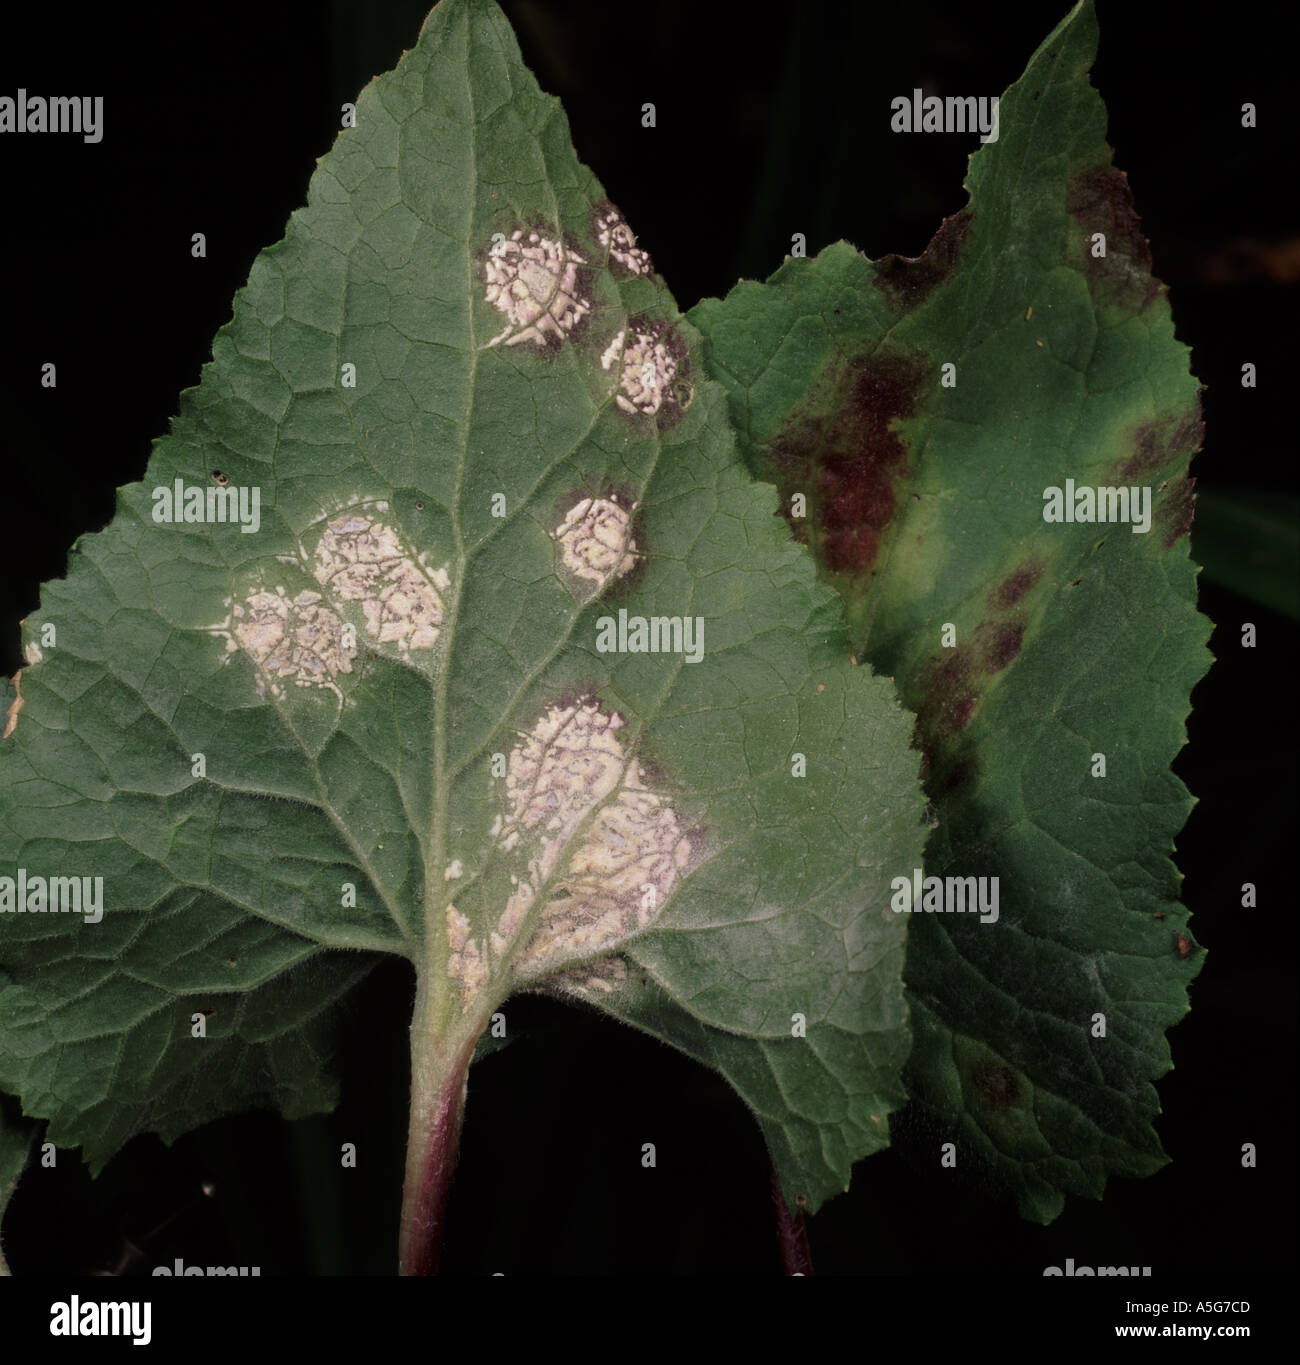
{"x": 16, "y": 1138}
{"x": 1027, "y": 648}
{"x": 408, "y": 710}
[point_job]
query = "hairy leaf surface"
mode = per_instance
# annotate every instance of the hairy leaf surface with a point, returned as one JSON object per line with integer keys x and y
{"x": 517, "y": 675}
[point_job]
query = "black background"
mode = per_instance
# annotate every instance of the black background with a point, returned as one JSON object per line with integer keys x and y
{"x": 769, "y": 122}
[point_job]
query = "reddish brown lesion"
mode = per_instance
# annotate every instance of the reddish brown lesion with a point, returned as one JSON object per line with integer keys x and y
{"x": 1175, "y": 509}
{"x": 949, "y": 689}
{"x": 1161, "y": 448}
{"x": 1001, "y": 642}
{"x": 997, "y": 1085}
{"x": 845, "y": 453}
{"x": 1099, "y": 200}
{"x": 907, "y": 281}
{"x": 1016, "y": 584}
{"x": 947, "y": 698}
{"x": 1158, "y": 443}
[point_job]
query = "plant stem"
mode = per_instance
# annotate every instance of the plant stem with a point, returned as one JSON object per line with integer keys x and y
{"x": 792, "y": 1233}
{"x": 439, "y": 1068}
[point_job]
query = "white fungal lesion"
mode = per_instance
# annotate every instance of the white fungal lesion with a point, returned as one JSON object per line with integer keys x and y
{"x": 595, "y": 540}
{"x": 619, "y": 241}
{"x": 359, "y": 559}
{"x": 602, "y": 977}
{"x": 16, "y": 705}
{"x": 604, "y": 849}
{"x": 303, "y": 639}
{"x": 466, "y": 963}
{"x": 625, "y": 867}
{"x": 646, "y": 369}
{"x": 295, "y": 640}
{"x": 534, "y": 281}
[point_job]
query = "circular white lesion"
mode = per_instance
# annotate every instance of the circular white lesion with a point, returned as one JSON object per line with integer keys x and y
{"x": 604, "y": 849}
{"x": 646, "y": 369}
{"x": 533, "y": 280}
{"x": 625, "y": 867}
{"x": 595, "y": 540}
{"x": 359, "y": 559}
{"x": 290, "y": 639}
{"x": 619, "y": 241}
{"x": 571, "y": 760}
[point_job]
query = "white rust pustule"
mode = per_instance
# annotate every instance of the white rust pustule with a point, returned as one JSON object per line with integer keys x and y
{"x": 290, "y": 639}
{"x": 605, "y": 850}
{"x": 601, "y": 977}
{"x": 534, "y": 281}
{"x": 359, "y": 559}
{"x": 619, "y": 241}
{"x": 646, "y": 369}
{"x": 465, "y": 961}
{"x": 595, "y": 540}
{"x": 304, "y": 639}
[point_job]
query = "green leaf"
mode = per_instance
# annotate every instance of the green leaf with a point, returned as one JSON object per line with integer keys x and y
{"x": 385, "y": 719}
{"x": 16, "y": 1138}
{"x": 925, "y": 509}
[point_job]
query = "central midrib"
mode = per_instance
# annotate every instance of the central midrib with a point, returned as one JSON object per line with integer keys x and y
{"x": 436, "y": 945}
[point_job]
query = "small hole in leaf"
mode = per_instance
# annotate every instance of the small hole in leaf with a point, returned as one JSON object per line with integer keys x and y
{"x": 419, "y": 507}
